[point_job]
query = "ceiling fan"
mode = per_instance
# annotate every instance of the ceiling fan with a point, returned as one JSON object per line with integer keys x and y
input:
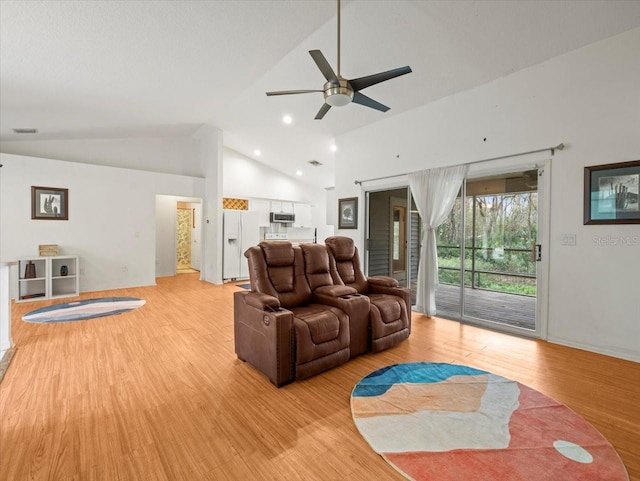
{"x": 339, "y": 91}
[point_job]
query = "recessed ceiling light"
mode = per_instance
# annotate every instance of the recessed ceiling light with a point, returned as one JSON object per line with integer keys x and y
{"x": 333, "y": 148}
{"x": 287, "y": 119}
{"x": 257, "y": 153}
{"x": 25, "y": 131}
{"x": 298, "y": 173}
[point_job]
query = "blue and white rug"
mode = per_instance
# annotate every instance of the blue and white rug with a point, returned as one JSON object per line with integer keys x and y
{"x": 86, "y": 309}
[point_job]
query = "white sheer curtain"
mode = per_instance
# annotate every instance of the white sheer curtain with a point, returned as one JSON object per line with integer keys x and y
{"x": 434, "y": 192}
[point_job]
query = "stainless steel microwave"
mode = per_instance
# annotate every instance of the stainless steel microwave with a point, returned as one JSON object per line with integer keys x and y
{"x": 282, "y": 217}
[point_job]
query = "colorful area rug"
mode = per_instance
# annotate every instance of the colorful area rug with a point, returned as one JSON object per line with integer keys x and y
{"x": 86, "y": 309}
{"x": 447, "y": 422}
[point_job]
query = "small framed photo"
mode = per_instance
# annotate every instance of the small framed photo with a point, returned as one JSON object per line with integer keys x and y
{"x": 611, "y": 193}
{"x": 348, "y": 213}
{"x": 49, "y": 203}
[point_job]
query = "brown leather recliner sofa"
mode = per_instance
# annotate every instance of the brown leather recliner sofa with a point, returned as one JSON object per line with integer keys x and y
{"x": 301, "y": 319}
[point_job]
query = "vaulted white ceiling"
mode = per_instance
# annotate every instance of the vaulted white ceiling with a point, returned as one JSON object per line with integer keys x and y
{"x": 103, "y": 69}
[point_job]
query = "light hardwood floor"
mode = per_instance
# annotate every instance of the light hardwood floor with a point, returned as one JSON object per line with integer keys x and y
{"x": 158, "y": 394}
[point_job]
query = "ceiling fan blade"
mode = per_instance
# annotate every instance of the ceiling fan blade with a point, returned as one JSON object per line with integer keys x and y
{"x": 323, "y": 110}
{"x": 291, "y": 92}
{"x": 369, "y": 80}
{"x": 323, "y": 65}
{"x": 361, "y": 99}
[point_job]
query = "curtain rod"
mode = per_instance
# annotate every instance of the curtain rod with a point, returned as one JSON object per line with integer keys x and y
{"x": 552, "y": 149}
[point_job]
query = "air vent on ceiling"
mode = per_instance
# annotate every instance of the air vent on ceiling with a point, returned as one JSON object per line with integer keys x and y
{"x": 315, "y": 163}
{"x": 25, "y": 131}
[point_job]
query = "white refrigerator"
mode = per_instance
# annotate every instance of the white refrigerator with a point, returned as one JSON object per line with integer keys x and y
{"x": 241, "y": 230}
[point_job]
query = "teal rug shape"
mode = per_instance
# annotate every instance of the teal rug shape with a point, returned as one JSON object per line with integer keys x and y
{"x": 85, "y": 309}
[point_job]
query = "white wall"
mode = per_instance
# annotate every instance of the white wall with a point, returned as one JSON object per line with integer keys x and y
{"x": 211, "y": 164}
{"x": 165, "y": 235}
{"x": 590, "y": 100}
{"x": 245, "y": 178}
{"x": 112, "y": 217}
{"x": 171, "y": 155}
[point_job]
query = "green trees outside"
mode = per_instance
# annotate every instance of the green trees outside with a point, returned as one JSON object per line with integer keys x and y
{"x": 501, "y": 230}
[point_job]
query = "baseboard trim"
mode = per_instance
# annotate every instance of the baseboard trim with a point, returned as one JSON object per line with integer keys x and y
{"x": 5, "y": 361}
{"x": 597, "y": 349}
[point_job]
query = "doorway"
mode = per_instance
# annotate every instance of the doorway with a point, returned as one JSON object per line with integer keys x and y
{"x": 398, "y": 238}
{"x": 185, "y": 224}
{"x": 179, "y": 235}
{"x": 393, "y": 236}
{"x": 487, "y": 247}
{"x": 488, "y": 262}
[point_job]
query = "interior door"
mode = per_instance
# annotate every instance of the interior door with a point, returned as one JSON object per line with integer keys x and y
{"x": 398, "y": 238}
{"x": 393, "y": 236}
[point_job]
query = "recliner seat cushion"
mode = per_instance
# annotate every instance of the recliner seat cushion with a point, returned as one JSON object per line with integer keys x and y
{"x": 320, "y": 331}
{"x": 323, "y": 325}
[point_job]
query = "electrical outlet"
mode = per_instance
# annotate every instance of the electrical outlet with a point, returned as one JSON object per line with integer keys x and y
{"x": 568, "y": 240}
{"x": 125, "y": 269}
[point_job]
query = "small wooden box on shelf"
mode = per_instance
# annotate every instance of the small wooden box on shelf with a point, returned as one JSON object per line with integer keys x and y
{"x": 48, "y": 250}
{"x": 55, "y": 277}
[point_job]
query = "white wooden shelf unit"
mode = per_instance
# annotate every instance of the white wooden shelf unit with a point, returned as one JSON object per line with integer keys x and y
{"x": 49, "y": 283}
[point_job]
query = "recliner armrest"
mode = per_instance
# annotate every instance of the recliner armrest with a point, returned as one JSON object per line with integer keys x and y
{"x": 264, "y": 302}
{"x": 264, "y": 338}
{"x": 382, "y": 281}
{"x": 335, "y": 291}
{"x": 403, "y": 292}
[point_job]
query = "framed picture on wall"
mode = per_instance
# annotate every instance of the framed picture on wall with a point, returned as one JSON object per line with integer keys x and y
{"x": 611, "y": 193}
{"x": 348, "y": 213}
{"x": 49, "y": 203}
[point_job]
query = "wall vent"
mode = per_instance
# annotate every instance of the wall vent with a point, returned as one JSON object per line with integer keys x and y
{"x": 315, "y": 163}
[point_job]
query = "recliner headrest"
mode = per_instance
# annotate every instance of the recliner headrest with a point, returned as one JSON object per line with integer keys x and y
{"x": 316, "y": 258}
{"x": 278, "y": 254}
{"x": 344, "y": 249}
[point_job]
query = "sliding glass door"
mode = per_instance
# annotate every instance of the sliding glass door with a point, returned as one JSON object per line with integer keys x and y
{"x": 487, "y": 253}
{"x": 487, "y": 249}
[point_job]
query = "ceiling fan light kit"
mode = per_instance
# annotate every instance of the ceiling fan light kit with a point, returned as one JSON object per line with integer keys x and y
{"x": 339, "y": 91}
{"x": 338, "y": 95}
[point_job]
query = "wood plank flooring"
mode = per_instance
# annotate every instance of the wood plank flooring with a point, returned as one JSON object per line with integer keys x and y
{"x": 158, "y": 394}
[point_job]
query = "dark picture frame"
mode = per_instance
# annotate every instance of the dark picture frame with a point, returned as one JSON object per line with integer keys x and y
{"x": 348, "y": 213}
{"x": 49, "y": 203}
{"x": 612, "y": 193}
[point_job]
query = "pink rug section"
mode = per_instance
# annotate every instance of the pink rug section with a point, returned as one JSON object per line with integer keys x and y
{"x": 479, "y": 427}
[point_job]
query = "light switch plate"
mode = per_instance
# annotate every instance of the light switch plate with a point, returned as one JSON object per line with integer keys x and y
{"x": 568, "y": 240}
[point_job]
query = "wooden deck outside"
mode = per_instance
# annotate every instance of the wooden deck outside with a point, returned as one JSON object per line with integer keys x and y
{"x": 510, "y": 309}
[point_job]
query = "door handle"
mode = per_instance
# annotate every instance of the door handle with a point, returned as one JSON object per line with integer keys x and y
{"x": 536, "y": 252}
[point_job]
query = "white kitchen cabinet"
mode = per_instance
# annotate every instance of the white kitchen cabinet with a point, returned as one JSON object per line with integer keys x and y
{"x": 263, "y": 208}
{"x": 303, "y": 215}
{"x": 281, "y": 206}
